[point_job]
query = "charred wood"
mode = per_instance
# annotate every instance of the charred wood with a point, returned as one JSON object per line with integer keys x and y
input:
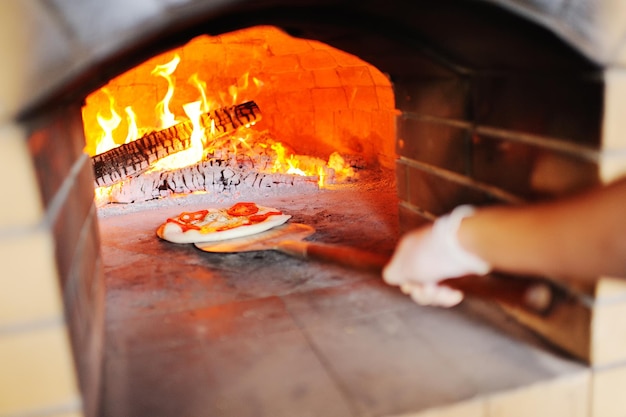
{"x": 135, "y": 157}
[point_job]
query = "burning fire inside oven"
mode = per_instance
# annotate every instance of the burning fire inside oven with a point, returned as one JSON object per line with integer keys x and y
{"x": 171, "y": 127}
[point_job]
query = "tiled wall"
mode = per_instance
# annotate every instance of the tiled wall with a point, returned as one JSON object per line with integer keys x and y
{"x": 51, "y": 291}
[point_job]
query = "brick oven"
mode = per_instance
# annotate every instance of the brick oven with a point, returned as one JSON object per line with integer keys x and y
{"x": 449, "y": 102}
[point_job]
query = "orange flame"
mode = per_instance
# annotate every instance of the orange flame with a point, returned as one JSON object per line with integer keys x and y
{"x": 108, "y": 125}
{"x": 308, "y": 166}
{"x": 287, "y": 164}
{"x": 201, "y": 86}
{"x": 194, "y": 153}
{"x": 282, "y": 160}
{"x": 131, "y": 119}
{"x": 342, "y": 169}
{"x": 164, "y": 114}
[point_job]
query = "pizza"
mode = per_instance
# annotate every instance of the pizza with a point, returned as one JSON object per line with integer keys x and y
{"x": 216, "y": 224}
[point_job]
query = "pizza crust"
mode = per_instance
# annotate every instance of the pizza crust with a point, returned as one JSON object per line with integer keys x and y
{"x": 173, "y": 232}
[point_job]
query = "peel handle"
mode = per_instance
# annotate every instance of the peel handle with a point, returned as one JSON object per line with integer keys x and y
{"x": 531, "y": 295}
{"x": 339, "y": 255}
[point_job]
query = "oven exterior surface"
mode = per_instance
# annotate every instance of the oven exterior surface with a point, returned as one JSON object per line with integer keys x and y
{"x": 535, "y": 89}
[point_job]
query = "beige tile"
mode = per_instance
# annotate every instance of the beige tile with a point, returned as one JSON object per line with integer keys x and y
{"x": 473, "y": 408}
{"x": 608, "y": 333}
{"x": 36, "y": 53}
{"x": 37, "y": 370}
{"x": 614, "y": 123}
{"x": 29, "y": 289}
{"x": 612, "y": 160}
{"x": 562, "y": 397}
{"x": 608, "y": 24}
{"x": 74, "y": 414}
{"x": 23, "y": 189}
{"x": 610, "y": 289}
{"x": 614, "y": 103}
{"x": 612, "y": 165}
{"x": 69, "y": 414}
{"x": 620, "y": 56}
{"x": 608, "y": 392}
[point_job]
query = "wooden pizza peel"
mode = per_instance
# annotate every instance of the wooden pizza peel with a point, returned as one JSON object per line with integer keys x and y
{"x": 533, "y": 295}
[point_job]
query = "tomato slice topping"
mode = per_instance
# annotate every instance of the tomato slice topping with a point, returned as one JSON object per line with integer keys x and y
{"x": 243, "y": 209}
{"x": 185, "y": 219}
{"x": 184, "y": 226}
{"x": 246, "y": 211}
{"x": 258, "y": 218}
{"x": 188, "y": 217}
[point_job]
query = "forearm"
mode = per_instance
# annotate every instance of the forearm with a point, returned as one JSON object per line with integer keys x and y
{"x": 577, "y": 238}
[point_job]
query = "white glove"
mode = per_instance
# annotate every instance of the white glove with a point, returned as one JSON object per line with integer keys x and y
{"x": 427, "y": 256}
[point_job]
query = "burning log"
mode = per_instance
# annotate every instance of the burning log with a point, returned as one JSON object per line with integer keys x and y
{"x": 256, "y": 166}
{"x": 215, "y": 176}
{"x": 135, "y": 157}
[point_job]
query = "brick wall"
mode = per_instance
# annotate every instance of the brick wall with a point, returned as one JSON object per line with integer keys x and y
{"x": 314, "y": 98}
{"x": 485, "y": 139}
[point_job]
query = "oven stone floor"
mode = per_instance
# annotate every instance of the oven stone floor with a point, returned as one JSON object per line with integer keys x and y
{"x": 258, "y": 334}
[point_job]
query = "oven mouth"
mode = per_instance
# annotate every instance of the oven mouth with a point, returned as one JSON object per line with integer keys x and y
{"x": 247, "y": 113}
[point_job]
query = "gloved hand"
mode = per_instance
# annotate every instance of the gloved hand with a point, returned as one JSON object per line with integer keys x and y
{"x": 431, "y": 254}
